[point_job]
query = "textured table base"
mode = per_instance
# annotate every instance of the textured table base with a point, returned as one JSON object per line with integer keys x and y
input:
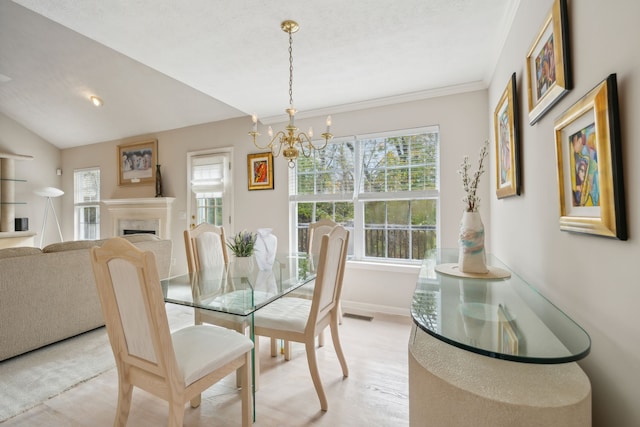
{"x": 449, "y": 386}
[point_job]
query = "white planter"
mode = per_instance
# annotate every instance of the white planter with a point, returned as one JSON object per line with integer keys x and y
{"x": 265, "y": 248}
{"x": 242, "y": 266}
{"x": 471, "y": 257}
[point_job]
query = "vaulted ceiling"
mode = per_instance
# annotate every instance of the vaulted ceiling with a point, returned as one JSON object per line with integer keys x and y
{"x": 166, "y": 64}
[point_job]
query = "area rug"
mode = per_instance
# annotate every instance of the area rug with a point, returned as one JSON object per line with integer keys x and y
{"x": 30, "y": 379}
{"x": 34, "y": 377}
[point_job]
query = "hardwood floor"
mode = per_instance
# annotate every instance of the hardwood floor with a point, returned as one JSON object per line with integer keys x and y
{"x": 374, "y": 394}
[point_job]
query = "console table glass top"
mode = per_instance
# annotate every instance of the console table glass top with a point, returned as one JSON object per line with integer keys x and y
{"x": 502, "y": 318}
{"x": 239, "y": 289}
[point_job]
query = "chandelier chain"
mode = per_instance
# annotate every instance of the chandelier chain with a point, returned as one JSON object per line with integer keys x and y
{"x": 290, "y": 69}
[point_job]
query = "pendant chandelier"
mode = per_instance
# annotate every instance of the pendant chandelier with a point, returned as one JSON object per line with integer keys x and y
{"x": 286, "y": 141}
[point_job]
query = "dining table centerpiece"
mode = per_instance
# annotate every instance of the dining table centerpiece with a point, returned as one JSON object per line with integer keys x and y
{"x": 472, "y": 256}
{"x": 242, "y": 245}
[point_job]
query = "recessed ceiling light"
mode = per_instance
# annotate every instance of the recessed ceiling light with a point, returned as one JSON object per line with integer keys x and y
{"x": 96, "y": 101}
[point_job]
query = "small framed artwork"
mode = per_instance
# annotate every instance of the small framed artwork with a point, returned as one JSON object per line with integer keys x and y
{"x": 507, "y": 135}
{"x": 137, "y": 162}
{"x": 588, "y": 150}
{"x": 507, "y": 332}
{"x": 260, "y": 171}
{"x": 548, "y": 63}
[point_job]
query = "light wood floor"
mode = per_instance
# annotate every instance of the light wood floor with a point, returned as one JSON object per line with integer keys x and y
{"x": 374, "y": 394}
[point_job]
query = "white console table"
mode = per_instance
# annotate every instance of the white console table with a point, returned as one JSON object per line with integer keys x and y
{"x": 493, "y": 352}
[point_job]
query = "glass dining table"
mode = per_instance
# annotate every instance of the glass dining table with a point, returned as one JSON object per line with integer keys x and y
{"x": 240, "y": 288}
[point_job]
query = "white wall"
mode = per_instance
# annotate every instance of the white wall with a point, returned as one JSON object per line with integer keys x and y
{"x": 463, "y": 128}
{"x": 593, "y": 279}
{"x": 39, "y": 172}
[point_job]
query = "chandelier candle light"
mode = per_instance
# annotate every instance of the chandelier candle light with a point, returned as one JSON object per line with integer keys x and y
{"x": 287, "y": 141}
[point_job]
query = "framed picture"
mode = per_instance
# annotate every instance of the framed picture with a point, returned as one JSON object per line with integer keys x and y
{"x": 507, "y": 332}
{"x": 507, "y": 135}
{"x": 588, "y": 150}
{"x": 137, "y": 162}
{"x": 260, "y": 170}
{"x": 548, "y": 65}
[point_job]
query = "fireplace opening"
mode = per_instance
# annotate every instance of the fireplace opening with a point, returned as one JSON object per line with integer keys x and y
{"x": 126, "y": 231}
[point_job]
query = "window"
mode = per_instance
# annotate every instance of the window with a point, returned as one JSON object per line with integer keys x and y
{"x": 86, "y": 188}
{"x": 209, "y": 185}
{"x": 383, "y": 187}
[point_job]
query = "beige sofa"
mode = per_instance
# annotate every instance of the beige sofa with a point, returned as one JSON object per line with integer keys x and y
{"x": 50, "y": 294}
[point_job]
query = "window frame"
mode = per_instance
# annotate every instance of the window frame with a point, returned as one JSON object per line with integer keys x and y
{"x": 77, "y": 234}
{"x": 227, "y": 196}
{"x": 359, "y": 197}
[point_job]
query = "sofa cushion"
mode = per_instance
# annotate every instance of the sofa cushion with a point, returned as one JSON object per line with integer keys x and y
{"x": 72, "y": 245}
{"x": 19, "y": 251}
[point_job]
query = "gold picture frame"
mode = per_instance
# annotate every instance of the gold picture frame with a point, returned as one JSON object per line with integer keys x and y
{"x": 548, "y": 63}
{"x": 137, "y": 162}
{"x": 507, "y": 136}
{"x": 260, "y": 171}
{"x": 589, "y": 160}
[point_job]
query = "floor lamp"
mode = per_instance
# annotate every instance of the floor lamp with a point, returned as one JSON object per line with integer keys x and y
{"x": 49, "y": 192}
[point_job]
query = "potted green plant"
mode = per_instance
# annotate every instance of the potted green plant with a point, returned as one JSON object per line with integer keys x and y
{"x": 242, "y": 244}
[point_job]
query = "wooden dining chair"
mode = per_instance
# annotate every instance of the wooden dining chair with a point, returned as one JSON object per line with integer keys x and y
{"x": 206, "y": 248}
{"x": 301, "y": 319}
{"x": 316, "y": 231}
{"x": 176, "y": 367}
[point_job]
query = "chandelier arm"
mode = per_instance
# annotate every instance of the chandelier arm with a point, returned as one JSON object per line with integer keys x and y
{"x": 255, "y": 141}
{"x": 309, "y": 142}
{"x": 306, "y": 147}
{"x": 276, "y": 143}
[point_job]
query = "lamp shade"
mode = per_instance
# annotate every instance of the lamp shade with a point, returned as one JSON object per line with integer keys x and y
{"x": 49, "y": 192}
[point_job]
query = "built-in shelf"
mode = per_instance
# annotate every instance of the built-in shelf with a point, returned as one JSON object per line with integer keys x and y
{"x": 7, "y": 190}
{"x": 15, "y": 156}
{"x": 10, "y": 239}
{"x": 8, "y": 234}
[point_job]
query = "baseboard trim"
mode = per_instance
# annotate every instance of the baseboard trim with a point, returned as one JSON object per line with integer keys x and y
{"x": 369, "y": 310}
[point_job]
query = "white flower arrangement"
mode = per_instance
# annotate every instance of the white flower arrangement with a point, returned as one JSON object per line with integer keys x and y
{"x": 470, "y": 184}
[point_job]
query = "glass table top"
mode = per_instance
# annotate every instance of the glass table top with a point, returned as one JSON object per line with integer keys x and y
{"x": 501, "y": 318}
{"x": 239, "y": 288}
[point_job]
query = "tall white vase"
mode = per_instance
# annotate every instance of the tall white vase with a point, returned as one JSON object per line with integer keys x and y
{"x": 265, "y": 248}
{"x": 471, "y": 256}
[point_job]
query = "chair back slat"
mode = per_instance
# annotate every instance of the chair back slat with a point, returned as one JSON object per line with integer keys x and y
{"x": 209, "y": 252}
{"x": 133, "y": 307}
{"x": 316, "y": 231}
{"x": 205, "y": 246}
{"x": 129, "y": 299}
{"x": 328, "y": 282}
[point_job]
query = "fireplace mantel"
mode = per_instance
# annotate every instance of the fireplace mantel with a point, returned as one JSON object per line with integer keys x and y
{"x": 155, "y": 212}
